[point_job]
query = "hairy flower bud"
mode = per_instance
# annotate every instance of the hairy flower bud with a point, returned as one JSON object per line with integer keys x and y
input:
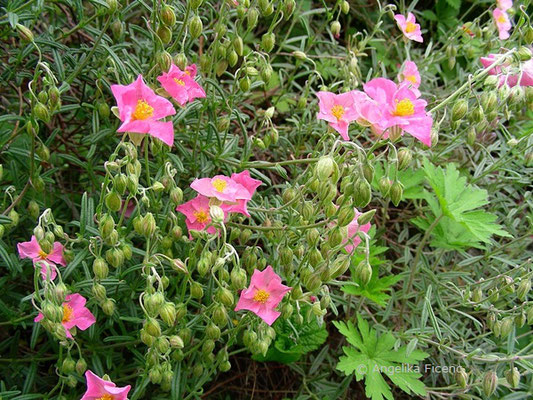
{"x": 168, "y": 16}
{"x": 99, "y": 292}
{"x": 24, "y": 33}
{"x": 512, "y": 376}
{"x": 251, "y": 18}
{"x": 268, "y": 40}
{"x": 152, "y": 327}
{"x": 363, "y": 272}
{"x": 396, "y": 192}
{"x": 335, "y": 28}
{"x": 108, "y": 307}
{"x": 195, "y": 26}
{"x": 362, "y": 193}
{"x": 81, "y": 366}
{"x": 100, "y": 268}
{"x": 523, "y": 289}
{"x": 461, "y": 377}
{"x": 165, "y": 34}
{"x": 459, "y": 110}
{"x": 490, "y": 383}
{"x": 324, "y": 168}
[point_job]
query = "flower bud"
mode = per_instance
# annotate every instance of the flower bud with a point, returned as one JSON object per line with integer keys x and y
{"x": 68, "y": 365}
{"x": 384, "y": 184}
{"x": 165, "y": 34}
{"x": 155, "y": 375}
{"x": 345, "y": 7}
{"x": 251, "y": 18}
{"x": 363, "y": 272}
{"x": 81, "y": 366}
{"x": 24, "y": 33}
{"x": 524, "y": 53}
{"x": 238, "y": 278}
{"x": 152, "y": 327}
{"x": 162, "y": 344}
{"x": 245, "y": 83}
{"x": 106, "y": 225}
{"x": 362, "y": 193}
{"x": 168, "y": 313}
{"x": 41, "y": 112}
{"x": 225, "y": 297}
{"x": 176, "y": 196}
{"x": 168, "y": 16}
{"x": 115, "y": 257}
{"x": 506, "y": 327}
{"x": 404, "y": 158}
{"x": 176, "y": 342}
{"x": 113, "y": 201}
{"x": 489, "y": 101}
{"x": 288, "y": 8}
{"x": 100, "y": 268}
{"x": 268, "y": 40}
{"x": 490, "y": 383}
{"x": 232, "y": 58}
{"x": 112, "y": 6}
{"x": 523, "y": 289}
{"x": 396, "y": 192}
{"x": 195, "y": 26}
{"x": 265, "y": 7}
{"x": 513, "y": 377}
{"x": 335, "y": 28}
{"x": 99, "y": 292}
{"x": 461, "y": 377}
{"x": 238, "y": 45}
{"x": 212, "y": 332}
{"x": 459, "y": 110}
{"x": 220, "y": 316}
{"x": 197, "y": 292}
{"x": 325, "y": 167}
{"x": 108, "y": 306}
{"x": 148, "y": 225}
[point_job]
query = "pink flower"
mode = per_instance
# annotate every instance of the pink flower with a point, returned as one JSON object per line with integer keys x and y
{"x": 197, "y": 215}
{"x": 353, "y": 228}
{"x": 141, "y": 110}
{"x": 502, "y": 22}
{"x": 338, "y": 110}
{"x": 100, "y": 389}
{"x": 504, "y": 5}
{"x": 409, "y": 74}
{"x": 400, "y": 107}
{"x": 222, "y": 188}
{"x": 32, "y": 250}
{"x": 263, "y": 295}
{"x": 181, "y": 85}
{"x": 129, "y": 209}
{"x": 75, "y": 314}
{"x": 250, "y": 184}
{"x": 409, "y": 27}
{"x": 524, "y": 77}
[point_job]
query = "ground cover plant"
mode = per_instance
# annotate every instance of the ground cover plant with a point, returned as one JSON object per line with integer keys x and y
{"x": 277, "y": 199}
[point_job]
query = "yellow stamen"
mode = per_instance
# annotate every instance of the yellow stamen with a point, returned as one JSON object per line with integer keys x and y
{"x": 411, "y": 78}
{"x": 188, "y": 72}
{"x": 201, "y": 216}
{"x": 179, "y": 82}
{"x": 219, "y": 184}
{"x": 404, "y": 108}
{"x": 411, "y": 27}
{"x": 501, "y": 19}
{"x": 337, "y": 111}
{"x": 42, "y": 254}
{"x": 143, "y": 110}
{"x": 67, "y": 313}
{"x": 261, "y": 296}
{"x": 106, "y": 397}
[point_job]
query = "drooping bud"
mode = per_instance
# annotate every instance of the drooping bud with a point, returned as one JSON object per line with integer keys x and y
{"x": 490, "y": 383}
{"x": 251, "y": 18}
{"x": 461, "y": 377}
{"x": 81, "y": 366}
{"x": 404, "y": 158}
{"x": 24, "y": 33}
{"x": 459, "y": 110}
{"x": 100, "y": 268}
{"x": 523, "y": 289}
{"x": 195, "y": 26}
{"x": 513, "y": 377}
{"x": 325, "y": 167}
{"x": 345, "y": 7}
{"x": 168, "y": 313}
{"x": 108, "y": 307}
{"x": 99, "y": 292}
{"x": 362, "y": 193}
{"x": 268, "y": 40}
{"x": 165, "y": 34}
{"x": 396, "y": 192}
{"x": 363, "y": 272}
{"x": 335, "y": 28}
{"x": 168, "y": 16}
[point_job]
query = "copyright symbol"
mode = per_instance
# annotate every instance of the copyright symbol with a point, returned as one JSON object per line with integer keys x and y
{"x": 362, "y": 369}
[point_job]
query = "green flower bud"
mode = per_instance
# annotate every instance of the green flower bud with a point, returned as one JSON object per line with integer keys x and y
{"x": 100, "y": 268}
{"x": 46, "y": 246}
{"x": 459, "y": 110}
{"x": 288, "y": 8}
{"x": 81, "y": 366}
{"x": 346, "y": 215}
{"x": 490, "y": 383}
{"x": 176, "y": 342}
{"x": 506, "y": 327}
{"x": 252, "y": 17}
{"x": 33, "y": 209}
{"x": 404, "y": 158}
{"x": 345, "y": 7}
{"x": 113, "y": 201}
{"x": 489, "y": 101}
{"x": 220, "y": 316}
{"x": 115, "y": 257}
{"x": 162, "y": 344}
{"x": 238, "y": 278}
{"x": 513, "y": 377}
{"x": 212, "y": 332}
{"x": 363, "y": 272}
{"x": 368, "y": 172}
{"x": 396, "y": 192}
{"x": 461, "y": 377}
{"x": 152, "y": 327}
{"x": 108, "y": 307}
{"x": 168, "y": 16}
{"x": 197, "y": 370}
{"x": 335, "y": 28}
{"x": 195, "y": 26}
{"x": 266, "y": 73}
{"x": 24, "y": 33}
{"x": 197, "y": 292}
{"x": 244, "y": 83}
{"x": 148, "y": 225}
{"x": 195, "y": 4}
{"x": 165, "y": 34}
{"x": 265, "y": 7}
{"x": 168, "y": 313}
{"x": 106, "y": 225}
{"x": 238, "y": 45}
{"x": 362, "y": 193}
{"x": 268, "y": 40}
{"x": 155, "y": 375}
{"x": 523, "y": 289}
{"x": 325, "y": 167}
{"x": 99, "y": 292}
{"x": 225, "y": 297}
{"x": 146, "y": 338}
